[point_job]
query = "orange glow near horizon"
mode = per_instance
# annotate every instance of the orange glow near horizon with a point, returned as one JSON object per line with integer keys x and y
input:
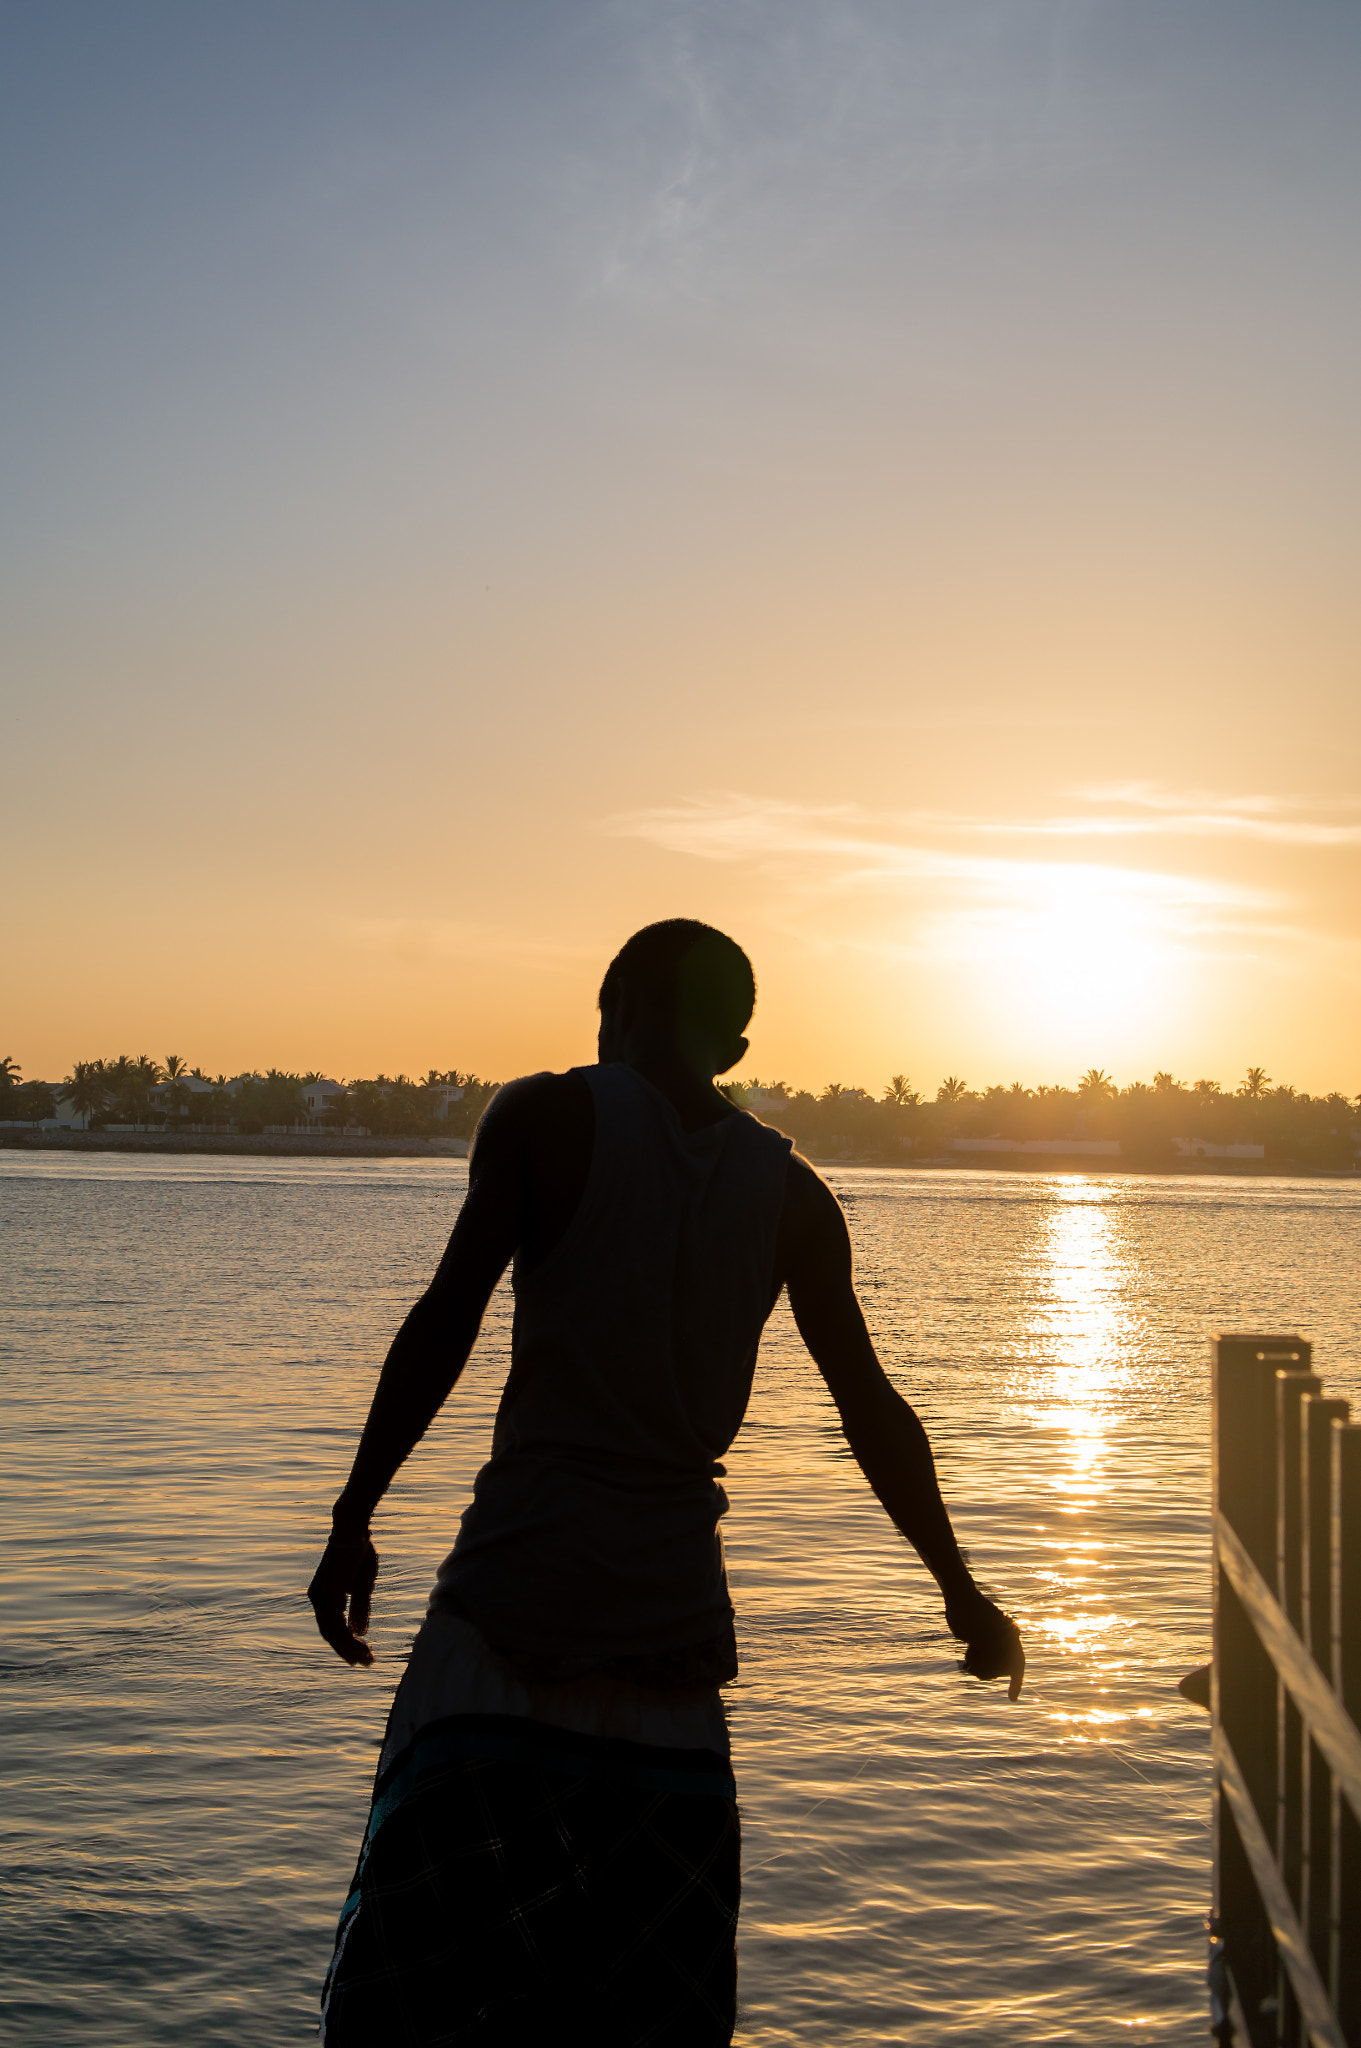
{"x": 890, "y": 499}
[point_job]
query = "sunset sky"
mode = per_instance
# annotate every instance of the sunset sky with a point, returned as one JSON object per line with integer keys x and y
{"x": 480, "y": 476}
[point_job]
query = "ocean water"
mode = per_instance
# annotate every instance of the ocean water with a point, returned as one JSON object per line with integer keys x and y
{"x": 186, "y": 1353}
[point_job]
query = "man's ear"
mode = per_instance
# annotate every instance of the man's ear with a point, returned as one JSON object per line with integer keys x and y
{"x": 735, "y": 1050}
{"x": 623, "y": 1014}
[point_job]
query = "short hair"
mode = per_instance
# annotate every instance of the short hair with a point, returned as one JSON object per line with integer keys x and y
{"x": 684, "y": 969}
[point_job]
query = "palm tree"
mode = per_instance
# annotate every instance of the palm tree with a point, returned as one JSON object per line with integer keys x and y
{"x": 281, "y": 1099}
{"x": 1163, "y": 1084}
{"x": 142, "y": 1078}
{"x": 118, "y": 1073}
{"x": 952, "y": 1089}
{"x": 1255, "y": 1084}
{"x": 900, "y": 1092}
{"x": 10, "y": 1076}
{"x": 1096, "y": 1085}
{"x": 219, "y": 1102}
{"x": 176, "y": 1094}
{"x": 86, "y": 1090}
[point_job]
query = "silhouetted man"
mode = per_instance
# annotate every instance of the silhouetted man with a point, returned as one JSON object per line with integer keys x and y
{"x": 552, "y": 1853}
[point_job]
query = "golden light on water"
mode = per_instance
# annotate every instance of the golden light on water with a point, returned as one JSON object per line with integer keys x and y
{"x": 1080, "y": 1336}
{"x": 1082, "y": 1329}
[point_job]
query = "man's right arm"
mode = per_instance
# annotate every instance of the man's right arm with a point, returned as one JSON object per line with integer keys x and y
{"x": 884, "y": 1432}
{"x": 424, "y": 1361}
{"x": 432, "y": 1346}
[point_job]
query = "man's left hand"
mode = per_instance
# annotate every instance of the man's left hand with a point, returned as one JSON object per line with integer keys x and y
{"x": 994, "y": 1642}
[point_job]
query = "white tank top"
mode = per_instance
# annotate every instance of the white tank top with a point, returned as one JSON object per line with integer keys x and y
{"x": 593, "y": 1527}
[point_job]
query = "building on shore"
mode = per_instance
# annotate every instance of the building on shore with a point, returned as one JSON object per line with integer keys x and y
{"x": 1197, "y": 1148}
{"x": 1100, "y": 1148}
{"x": 321, "y": 1096}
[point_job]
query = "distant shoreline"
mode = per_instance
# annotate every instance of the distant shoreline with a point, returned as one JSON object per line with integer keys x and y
{"x": 318, "y": 1145}
{"x": 1179, "y": 1169}
{"x": 329, "y": 1145}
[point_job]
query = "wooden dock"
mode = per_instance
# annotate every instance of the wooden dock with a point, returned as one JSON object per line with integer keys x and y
{"x": 1285, "y": 1696}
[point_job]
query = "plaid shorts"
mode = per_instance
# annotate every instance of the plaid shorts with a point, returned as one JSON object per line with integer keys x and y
{"x": 523, "y": 1886}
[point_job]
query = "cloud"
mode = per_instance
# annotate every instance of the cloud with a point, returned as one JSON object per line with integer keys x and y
{"x": 1151, "y": 811}
{"x": 842, "y": 849}
{"x": 441, "y": 938}
{"x": 729, "y": 825}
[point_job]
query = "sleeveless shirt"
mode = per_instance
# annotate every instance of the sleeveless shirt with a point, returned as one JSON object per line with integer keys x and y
{"x": 592, "y": 1535}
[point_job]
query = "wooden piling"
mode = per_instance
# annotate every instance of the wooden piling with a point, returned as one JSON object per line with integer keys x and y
{"x": 1345, "y": 1606}
{"x": 1285, "y": 1697}
{"x": 1293, "y": 1387}
{"x": 1316, "y": 1628}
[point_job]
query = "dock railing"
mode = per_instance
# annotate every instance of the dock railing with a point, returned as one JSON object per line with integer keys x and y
{"x": 1285, "y": 1696}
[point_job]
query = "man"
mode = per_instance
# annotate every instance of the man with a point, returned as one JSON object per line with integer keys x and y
{"x": 552, "y": 1852}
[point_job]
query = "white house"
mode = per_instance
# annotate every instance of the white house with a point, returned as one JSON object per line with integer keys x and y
{"x": 1199, "y": 1148}
{"x": 1067, "y": 1148}
{"x": 189, "y": 1084}
{"x": 47, "y": 1123}
{"x": 69, "y": 1118}
{"x": 319, "y": 1097}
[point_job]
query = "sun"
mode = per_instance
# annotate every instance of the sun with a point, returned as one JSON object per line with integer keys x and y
{"x": 1085, "y": 960}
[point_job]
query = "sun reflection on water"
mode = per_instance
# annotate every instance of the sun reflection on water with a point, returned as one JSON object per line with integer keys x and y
{"x": 1079, "y": 1341}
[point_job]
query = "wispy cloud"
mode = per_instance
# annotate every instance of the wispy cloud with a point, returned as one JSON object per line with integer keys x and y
{"x": 769, "y": 139}
{"x": 727, "y": 825}
{"x": 440, "y": 938}
{"x": 1146, "y": 810}
{"x": 842, "y": 848}
{"x": 1154, "y": 796}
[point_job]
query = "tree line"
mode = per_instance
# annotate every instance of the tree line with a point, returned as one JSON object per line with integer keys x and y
{"x": 155, "y": 1095}
{"x": 1146, "y": 1118}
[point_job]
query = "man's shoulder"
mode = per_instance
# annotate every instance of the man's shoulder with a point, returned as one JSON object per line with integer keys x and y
{"x": 813, "y": 1252}
{"x": 534, "y": 1107}
{"x": 806, "y": 1188}
{"x": 811, "y": 1212}
{"x": 530, "y": 1092}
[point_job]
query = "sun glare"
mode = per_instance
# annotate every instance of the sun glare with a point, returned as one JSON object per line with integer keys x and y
{"x": 1084, "y": 956}
{"x": 1079, "y": 1327}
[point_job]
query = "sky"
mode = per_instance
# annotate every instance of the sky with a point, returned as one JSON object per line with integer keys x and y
{"x": 880, "y": 477}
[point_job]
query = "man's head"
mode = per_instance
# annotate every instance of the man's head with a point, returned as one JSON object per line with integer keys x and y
{"x": 678, "y": 987}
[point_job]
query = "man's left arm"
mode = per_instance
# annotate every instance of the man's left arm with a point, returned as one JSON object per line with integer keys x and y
{"x": 884, "y": 1432}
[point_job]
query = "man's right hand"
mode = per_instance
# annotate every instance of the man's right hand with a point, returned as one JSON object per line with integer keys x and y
{"x": 345, "y": 1576}
{"x": 994, "y": 1647}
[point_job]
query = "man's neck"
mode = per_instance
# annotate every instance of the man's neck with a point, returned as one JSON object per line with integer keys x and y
{"x": 697, "y": 1102}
